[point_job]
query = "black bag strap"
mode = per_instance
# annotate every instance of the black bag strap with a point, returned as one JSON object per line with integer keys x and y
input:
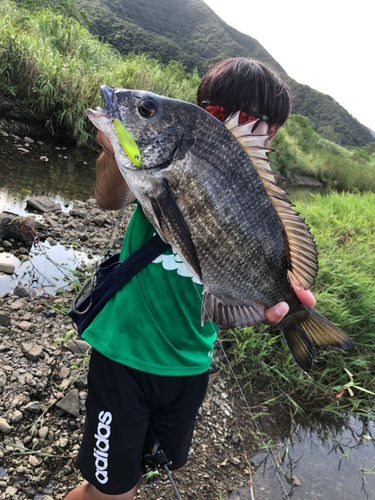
{"x": 113, "y": 276}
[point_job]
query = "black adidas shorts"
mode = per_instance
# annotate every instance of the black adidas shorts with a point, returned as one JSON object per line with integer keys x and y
{"x": 121, "y": 404}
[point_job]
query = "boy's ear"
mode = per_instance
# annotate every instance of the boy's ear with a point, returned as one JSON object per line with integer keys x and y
{"x": 272, "y": 132}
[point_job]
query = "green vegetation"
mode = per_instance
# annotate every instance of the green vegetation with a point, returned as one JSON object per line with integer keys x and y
{"x": 56, "y": 66}
{"x": 199, "y": 38}
{"x": 301, "y": 151}
{"x": 344, "y": 229}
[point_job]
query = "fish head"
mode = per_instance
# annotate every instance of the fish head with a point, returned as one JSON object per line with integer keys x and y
{"x": 155, "y": 124}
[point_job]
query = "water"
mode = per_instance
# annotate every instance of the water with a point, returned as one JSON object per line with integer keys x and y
{"x": 327, "y": 458}
{"x": 68, "y": 175}
{"x": 331, "y": 458}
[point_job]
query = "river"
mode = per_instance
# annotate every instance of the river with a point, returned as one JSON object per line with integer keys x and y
{"x": 328, "y": 458}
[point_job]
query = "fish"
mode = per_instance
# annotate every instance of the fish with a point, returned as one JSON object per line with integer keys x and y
{"x": 209, "y": 191}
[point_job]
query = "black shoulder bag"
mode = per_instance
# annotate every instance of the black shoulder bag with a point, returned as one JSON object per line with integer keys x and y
{"x": 110, "y": 276}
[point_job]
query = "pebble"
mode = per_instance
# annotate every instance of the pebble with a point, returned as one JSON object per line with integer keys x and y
{"x": 5, "y": 428}
{"x": 7, "y": 268}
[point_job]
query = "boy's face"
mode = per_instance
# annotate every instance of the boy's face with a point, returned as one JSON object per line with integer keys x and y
{"x": 264, "y": 129}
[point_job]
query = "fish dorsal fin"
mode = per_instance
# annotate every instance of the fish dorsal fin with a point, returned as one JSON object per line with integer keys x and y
{"x": 301, "y": 246}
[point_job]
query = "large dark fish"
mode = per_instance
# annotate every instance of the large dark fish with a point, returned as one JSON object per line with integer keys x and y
{"x": 208, "y": 190}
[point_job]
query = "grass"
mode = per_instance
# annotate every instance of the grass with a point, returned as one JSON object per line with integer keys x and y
{"x": 301, "y": 151}
{"x": 343, "y": 225}
{"x": 56, "y": 66}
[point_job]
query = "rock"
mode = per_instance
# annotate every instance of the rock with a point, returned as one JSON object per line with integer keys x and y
{"x": 4, "y": 319}
{"x": 16, "y": 417}
{"x": 33, "y": 407}
{"x": 5, "y": 428}
{"x": 3, "y": 379}
{"x": 3, "y": 330}
{"x": 11, "y": 491}
{"x": 18, "y": 304}
{"x": 70, "y": 404}
{"x": 234, "y": 461}
{"x": 17, "y": 229}
{"x": 32, "y": 351}
{"x": 21, "y": 291}
{"x": 28, "y": 139}
{"x": 25, "y": 326}
{"x": 43, "y": 158}
{"x": 43, "y": 204}
{"x": 64, "y": 372}
{"x": 7, "y": 268}
{"x": 43, "y": 432}
{"x": 34, "y": 461}
{"x": 81, "y": 381}
{"x": 63, "y": 442}
{"x": 77, "y": 346}
{"x": 99, "y": 221}
{"x": 296, "y": 481}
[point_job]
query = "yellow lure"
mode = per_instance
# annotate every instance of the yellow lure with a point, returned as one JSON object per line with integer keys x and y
{"x": 128, "y": 143}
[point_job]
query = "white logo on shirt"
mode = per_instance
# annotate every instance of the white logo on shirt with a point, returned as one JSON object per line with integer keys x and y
{"x": 174, "y": 263}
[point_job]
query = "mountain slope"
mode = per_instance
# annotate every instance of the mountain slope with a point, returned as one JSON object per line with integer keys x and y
{"x": 190, "y": 32}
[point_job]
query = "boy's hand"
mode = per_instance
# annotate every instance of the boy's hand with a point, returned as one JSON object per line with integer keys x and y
{"x": 276, "y": 313}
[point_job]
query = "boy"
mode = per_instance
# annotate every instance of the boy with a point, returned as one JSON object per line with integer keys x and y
{"x": 150, "y": 359}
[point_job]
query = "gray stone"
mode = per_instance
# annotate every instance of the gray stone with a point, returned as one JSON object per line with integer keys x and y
{"x": 3, "y": 379}
{"x": 32, "y": 351}
{"x": 43, "y": 432}
{"x": 19, "y": 228}
{"x": 34, "y": 461}
{"x": 4, "y": 319}
{"x": 43, "y": 204}
{"x": 77, "y": 346}
{"x": 99, "y": 221}
{"x": 33, "y": 407}
{"x": 5, "y": 428}
{"x": 21, "y": 291}
{"x": 11, "y": 490}
{"x": 7, "y": 268}
{"x": 3, "y": 330}
{"x": 16, "y": 417}
{"x": 81, "y": 381}
{"x": 70, "y": 404}
{"x": 18, "y": 304}
{"x": 25, "y": 326}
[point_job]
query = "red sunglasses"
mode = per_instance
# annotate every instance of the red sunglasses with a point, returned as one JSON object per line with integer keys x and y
{"x": 221, "y": 113}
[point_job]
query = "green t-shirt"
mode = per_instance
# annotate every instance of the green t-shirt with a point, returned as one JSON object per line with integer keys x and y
{"x": 153, "y": 323}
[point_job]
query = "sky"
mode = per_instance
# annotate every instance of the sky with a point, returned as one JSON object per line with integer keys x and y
{"x": 328, "y": 45}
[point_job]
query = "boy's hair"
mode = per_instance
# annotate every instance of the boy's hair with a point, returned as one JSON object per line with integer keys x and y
{"x": 247, "y": 85}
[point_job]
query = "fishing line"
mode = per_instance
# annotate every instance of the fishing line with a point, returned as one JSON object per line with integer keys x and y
{"x": 267, "y": 448}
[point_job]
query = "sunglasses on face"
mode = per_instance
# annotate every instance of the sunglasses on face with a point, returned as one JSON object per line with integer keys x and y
{"x": 221, "y": 113}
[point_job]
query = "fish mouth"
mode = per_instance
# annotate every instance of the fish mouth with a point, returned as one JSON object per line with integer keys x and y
{"x": 103, "y": 116}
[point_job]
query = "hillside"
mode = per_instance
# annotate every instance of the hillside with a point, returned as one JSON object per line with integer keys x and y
{"x": 190, "y": 32}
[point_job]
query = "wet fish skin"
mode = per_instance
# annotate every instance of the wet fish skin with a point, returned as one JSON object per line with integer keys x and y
{"x": 200, "y": 190}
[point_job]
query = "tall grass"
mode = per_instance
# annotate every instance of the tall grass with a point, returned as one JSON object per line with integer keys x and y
{"x": 343, "y": 226}
{"x": 55, "y": 64}
{"x": 301, "y": 151}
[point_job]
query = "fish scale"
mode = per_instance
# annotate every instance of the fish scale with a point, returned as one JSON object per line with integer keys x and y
{"x": 209, "y": 191}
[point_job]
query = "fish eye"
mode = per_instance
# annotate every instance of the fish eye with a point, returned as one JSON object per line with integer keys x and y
{"x": 147, "y": 108}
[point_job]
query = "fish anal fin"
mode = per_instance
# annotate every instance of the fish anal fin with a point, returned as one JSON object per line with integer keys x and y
{"x": 229, "y": 316}
{"x": 304, "y": 263}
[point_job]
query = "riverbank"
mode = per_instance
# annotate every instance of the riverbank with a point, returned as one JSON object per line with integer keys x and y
{"x": 43, "y": 387}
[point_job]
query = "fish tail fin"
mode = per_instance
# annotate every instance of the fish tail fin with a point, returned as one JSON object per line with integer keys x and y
{"x": 306, "y": 329}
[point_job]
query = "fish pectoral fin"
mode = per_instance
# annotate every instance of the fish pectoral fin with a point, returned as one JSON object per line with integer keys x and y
{"x": 229, "y": 316}
{"x": 173, "y": 225}
{"x": 308, "y": 331}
